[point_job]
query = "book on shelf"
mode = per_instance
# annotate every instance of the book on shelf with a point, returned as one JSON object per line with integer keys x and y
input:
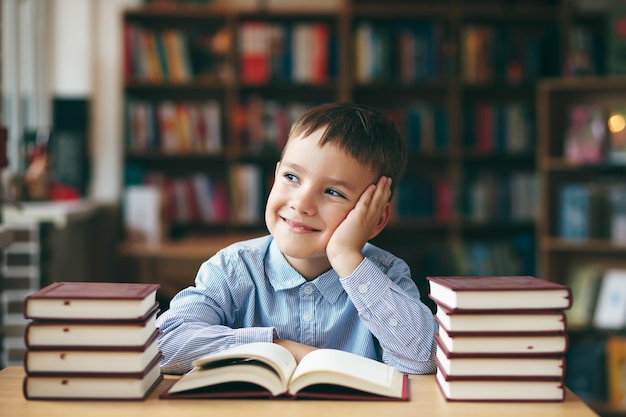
{"x": 267, "y": 370}
{"x": 500, "y": 388}
{"x": 91, "y": 300}
{"x": 498, "y": 293}
{"x": 610, "y": 312}
{"x": 487, "y": 322}
{"x": 616, "y": 371}
{"x": 475, "y": 367}
{"x": 494, "y": 345}
{"x": 584, "y": 211}
{"x": 111, "y": 334}
{"x": 617, "y": 197}
{"x": 586, "y": 135}
{"x": 142, "y": 214}
{"x": 98, "y": 386}
{"x": 584, "y": 281}
{"x": 83, "y": 360}
{"x": 616, "y": 39}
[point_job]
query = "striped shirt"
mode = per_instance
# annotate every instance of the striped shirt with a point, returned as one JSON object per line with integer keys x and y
{"x": 248, "y": 292}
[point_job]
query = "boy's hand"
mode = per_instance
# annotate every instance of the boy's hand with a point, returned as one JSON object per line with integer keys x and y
{"x": 298, "y": 350}
{"x": 361, "y": 223}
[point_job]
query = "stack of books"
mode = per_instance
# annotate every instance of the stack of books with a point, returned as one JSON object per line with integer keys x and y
{"x": 91, "y": 340}
{"x": 501, "y": 338}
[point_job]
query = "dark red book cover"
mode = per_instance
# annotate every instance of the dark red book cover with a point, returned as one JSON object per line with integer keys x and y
{"x": 496, "y": 283}
{"x": 92, "y": 301}
{"x": 552, "y": 322}
{"x": 525, "y": 349}
{"x": 441, "y": 346}
{"x": 501, "y": 293}
{"x": 135, "y": 386}
{"x": 95, "y": 291}
{"x": 503, "y": 389}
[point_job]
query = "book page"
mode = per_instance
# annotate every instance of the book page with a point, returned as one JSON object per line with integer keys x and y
{"x": 336, "y": 367}
{"x": 276, "y": 356}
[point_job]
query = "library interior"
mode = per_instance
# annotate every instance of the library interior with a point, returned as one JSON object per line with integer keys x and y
{"x": 139, "y": 137}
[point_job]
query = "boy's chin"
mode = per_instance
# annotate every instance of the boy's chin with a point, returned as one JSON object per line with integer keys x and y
{"x": 300, "y": 252}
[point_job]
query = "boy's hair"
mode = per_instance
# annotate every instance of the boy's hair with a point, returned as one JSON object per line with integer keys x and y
{"x": 364, "y": 133}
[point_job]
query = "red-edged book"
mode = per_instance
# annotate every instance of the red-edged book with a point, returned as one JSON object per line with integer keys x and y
{"x": 498, "y": 293}
{"x": 92, "y": 301}
{"x": 494, "y": 344}
{"x": 90, "y": 359}
{"x": 109, "y": 334}
{"x": 500, "y": 388}
{"x": 536, "y": 321}
{"x": 267, "y": 370}
{"x": 471, "y": 365}
{"x": 94, "y": 386}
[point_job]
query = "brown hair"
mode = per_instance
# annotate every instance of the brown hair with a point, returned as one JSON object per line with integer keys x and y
{"x": 364, "y": 133}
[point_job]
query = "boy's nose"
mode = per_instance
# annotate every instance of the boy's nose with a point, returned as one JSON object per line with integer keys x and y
{"x": 303, "y": 202}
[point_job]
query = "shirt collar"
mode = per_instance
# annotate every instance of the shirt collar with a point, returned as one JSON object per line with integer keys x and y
{"x": 282, "y": 276}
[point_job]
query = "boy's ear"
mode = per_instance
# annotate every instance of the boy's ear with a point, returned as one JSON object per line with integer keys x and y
{"x": 382, "y": 221}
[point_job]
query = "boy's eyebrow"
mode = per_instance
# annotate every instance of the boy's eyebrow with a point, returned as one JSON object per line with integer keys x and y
{"x": 333, "y": 181}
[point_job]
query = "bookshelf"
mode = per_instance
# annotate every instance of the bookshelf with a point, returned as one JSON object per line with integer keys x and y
{"x": 458, "y": 77}
{"x": 558, "y": 246}
{"x": 583, "y": 185}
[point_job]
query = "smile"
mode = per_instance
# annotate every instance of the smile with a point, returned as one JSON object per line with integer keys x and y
{"x": 297, "y": 226}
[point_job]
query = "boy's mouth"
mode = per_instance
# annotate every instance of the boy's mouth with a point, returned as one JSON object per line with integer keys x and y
{"x": 297, "y": 226}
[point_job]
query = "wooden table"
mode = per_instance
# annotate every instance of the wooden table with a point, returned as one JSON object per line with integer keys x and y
{"x": 426, "y": 401}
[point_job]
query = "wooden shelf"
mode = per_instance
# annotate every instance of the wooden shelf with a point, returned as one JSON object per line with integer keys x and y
{"x": 584, "y": 246}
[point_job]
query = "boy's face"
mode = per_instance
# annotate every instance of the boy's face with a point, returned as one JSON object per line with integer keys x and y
{"x": 314, "y": 190}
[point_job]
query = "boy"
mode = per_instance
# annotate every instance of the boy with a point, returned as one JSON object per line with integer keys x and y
{"x": 314, "y": 281}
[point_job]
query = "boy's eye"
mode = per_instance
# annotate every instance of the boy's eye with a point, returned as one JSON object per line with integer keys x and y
{"x": 290, "y": 177}
{"x": 335, "y": 193}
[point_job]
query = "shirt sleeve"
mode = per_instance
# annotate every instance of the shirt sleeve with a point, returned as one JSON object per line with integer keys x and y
{"x": 199, "y": 319}
{"x": 389, "y": 305}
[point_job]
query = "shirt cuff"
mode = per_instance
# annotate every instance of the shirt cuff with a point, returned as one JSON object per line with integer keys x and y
{"x": 254, "y": 334}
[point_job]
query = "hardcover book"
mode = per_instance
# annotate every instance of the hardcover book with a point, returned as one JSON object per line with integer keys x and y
{"x": 584, "y": 281}
{"x": 498, "y": 293}
{"x": 97, "y": 386}
{"x": 500, "y": 388}
{"x": 90, "y": 360}
{"x": 102, "y": 333}
{"x": 610, "y": 312}
{"x": 91, "y": 301}
{"x": 502, "y": 345}
{"x": 487, "y": 322}
{"x": 473, "y": 366}
{"x": 267, "y": 370}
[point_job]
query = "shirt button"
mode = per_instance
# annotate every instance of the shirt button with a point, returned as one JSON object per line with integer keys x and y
{"x": 363, "y": 288}
{"x": 308, "y": 290}
{"x": 393, "y": 322}
{"x": 306, "y": 317}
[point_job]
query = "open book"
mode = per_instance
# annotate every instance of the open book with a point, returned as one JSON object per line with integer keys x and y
{"x": 269, "y": 370}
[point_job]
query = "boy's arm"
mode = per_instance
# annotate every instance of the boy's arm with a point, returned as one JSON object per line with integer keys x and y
{"x": 392, "y": 311}
{"x": 388, "y": 302}
{"x": 199, "y": 320}
{"x": 298, "y": 350}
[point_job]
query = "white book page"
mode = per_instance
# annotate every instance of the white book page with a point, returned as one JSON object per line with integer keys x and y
{"x": 330, "y": 366}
